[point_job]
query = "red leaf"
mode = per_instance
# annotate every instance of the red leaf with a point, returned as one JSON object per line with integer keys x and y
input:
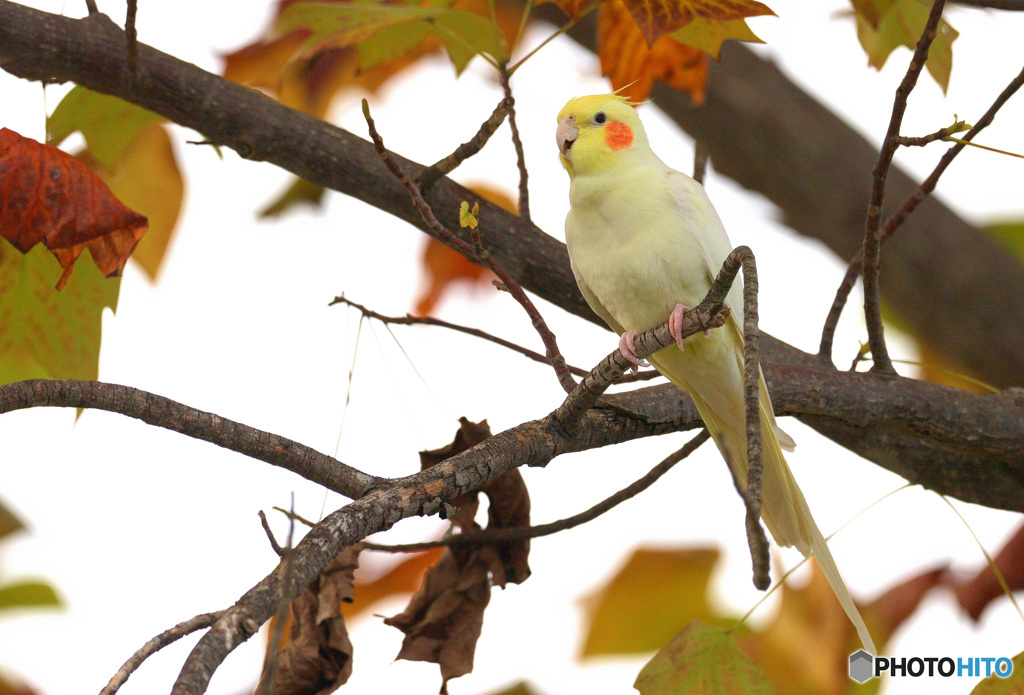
{"x": 975, "y": 594}
{"x": 48, "y": 196}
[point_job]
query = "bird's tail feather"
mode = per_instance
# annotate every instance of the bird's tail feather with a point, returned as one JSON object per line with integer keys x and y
{"x": 783, "y": 507}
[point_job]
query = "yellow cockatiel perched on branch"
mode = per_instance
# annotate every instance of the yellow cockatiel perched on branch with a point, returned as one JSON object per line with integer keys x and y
{"x": 646, "y": 243}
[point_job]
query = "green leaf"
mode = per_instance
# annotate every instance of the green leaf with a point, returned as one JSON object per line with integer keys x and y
{"x": 107, "y": 123}
{"x": 46, "y": 333}
{"x": 9, "y": 523}
{"x": 1010, "y": 234}
{"x": 1011, "y": 685}
{"x": 705, "y": 660}
{"x": 674, "y": 587}
{"x": 383, "y": 32}
{"x": 708, "y": 35}
{"x": 883, "y": 25}
{"x": 27, "y": 595}
{"x": 300, "y": 192}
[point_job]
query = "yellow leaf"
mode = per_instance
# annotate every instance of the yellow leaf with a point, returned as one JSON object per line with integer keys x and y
{"x": 673, "y": 585}
{"x": 632, "y": 66}
{"x": 882, "y": 25}
{"x": 146, "y": 178}
{"x": 467, "y": 218}
{"x": 702, "y": 659}
{"x": 709, "y": 35}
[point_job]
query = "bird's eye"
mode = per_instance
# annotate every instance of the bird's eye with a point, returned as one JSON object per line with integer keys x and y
{"x": 600, "y": 118}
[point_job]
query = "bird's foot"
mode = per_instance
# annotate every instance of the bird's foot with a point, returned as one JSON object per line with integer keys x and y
{"x": 626, "y": 348}
{"x": 675, "y": 323}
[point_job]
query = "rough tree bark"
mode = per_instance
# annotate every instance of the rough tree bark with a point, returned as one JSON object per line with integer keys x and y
{"x": 91, "y": 52}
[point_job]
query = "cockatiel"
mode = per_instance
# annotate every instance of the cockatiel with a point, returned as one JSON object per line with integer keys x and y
{"x": 645, "y": 243}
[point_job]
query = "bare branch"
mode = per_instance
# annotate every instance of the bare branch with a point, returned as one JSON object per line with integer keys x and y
{"x": 540, "y": 530}
{"x": 517, "y": 142}
{"x": 700, "y": 161}
{"x": 476, "y": 252}
{"x": 132, "y": 40}
{"x": 872, "y": 239}
{"x": 466, "y": 150}
{"x": 91, "y": 6}
{"x": 1012, "y": 5}
{"x": 156, "y": 644}
{"x": 270, "y": 535}
{"x": 209, "y": 427}
{"x": 909, "y": 205}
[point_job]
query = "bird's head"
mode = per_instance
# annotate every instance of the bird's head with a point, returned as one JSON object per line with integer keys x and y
{"x": 595, "y": 131}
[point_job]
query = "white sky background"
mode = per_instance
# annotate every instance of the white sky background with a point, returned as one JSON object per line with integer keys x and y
{"x": 139, "y": 528}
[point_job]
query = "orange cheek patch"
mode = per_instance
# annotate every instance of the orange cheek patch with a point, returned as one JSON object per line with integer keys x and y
{"x": 618, "y": 135}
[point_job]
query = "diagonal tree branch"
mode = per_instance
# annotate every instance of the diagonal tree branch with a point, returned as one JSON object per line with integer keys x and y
{"x": 952, "y": 458}
{"x": 209, "y": 427}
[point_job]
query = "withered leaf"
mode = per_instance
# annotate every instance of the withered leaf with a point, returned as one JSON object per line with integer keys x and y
{"x": 49, "y": 197}
{"x": 443, "y": 621}
{"x": 309, "y": 652}
{"x": 633, "y": 67}
{"x": 509, "y": 506}
{"x": 978, "y": 592}
{"x": 659, "y": 17}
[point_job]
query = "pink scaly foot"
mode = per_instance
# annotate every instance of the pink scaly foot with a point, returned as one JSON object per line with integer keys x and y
{"x": 626, "y": 348}
{"x": 675, "y": 323}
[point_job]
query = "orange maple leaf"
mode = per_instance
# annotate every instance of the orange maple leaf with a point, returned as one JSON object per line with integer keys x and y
{"x": 49, "y": 197}
{"x": 632, "y": 66}
{"x": 659, "y": 17}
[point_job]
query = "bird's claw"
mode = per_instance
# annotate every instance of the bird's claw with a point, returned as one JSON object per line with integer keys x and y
{"x": 626, "y": 348}
{"x": 675, "y": 323}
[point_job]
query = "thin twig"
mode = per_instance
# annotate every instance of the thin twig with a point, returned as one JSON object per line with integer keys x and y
{"x": 438, "y": 230}
{"x": 409, "y": 320}
{"x": 524, "y": 192}
{"x": 756, "y": 538}
{"x": 132, "y": 40}
{"x": 527, "y": 532}
{"x": 909, "y": 205}
{"x": 91, "y": 6}
{"x": 270, "y": 535}
{"x": 156, "y": 644}
{"x": 1012, "y": 5}
{"x": 700, "y": 161}
{"x": 466, "y": 150}
{"x": 872, "y": 239}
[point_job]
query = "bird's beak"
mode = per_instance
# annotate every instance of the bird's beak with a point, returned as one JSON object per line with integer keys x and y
{"x": 566, "y": 134}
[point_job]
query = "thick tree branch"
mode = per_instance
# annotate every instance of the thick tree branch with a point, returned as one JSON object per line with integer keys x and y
{"x": 91, "y": 52}
{"x": 163, "y": 412}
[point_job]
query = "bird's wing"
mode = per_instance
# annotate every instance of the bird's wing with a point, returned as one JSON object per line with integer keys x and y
{"x": 595, "y": 303}
{"x": 694, "y": 204}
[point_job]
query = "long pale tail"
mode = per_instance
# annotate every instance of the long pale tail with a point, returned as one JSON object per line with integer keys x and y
{"x": 783, "y": 507}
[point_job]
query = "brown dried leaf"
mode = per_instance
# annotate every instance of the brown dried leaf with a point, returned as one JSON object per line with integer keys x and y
{"x": 659, "y": 17}
{"x": 509, "y": 507}
{"x": 313, "y": 654}
{"x": 632, "y": 66}
{"x": 49, "y": 197}
{"x": 978, "y": 592}
{"x": 403, "y": 578}
{"x": 443, "y": 621}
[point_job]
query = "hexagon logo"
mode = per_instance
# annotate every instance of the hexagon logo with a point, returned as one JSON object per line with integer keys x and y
{"x": 861, "y": 666}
